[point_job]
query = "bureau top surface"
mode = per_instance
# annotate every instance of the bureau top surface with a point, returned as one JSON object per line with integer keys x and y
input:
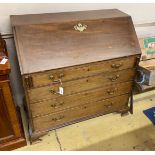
{"x": 50, "y": 41}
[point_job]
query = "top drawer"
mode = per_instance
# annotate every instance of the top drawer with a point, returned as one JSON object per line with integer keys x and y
{"x": 75, "y": 72}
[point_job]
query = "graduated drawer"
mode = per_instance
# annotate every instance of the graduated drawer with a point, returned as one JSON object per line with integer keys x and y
{"x": 76, "y": 86}
{"x": 63, "y": 102}
{"x": 70, "y": 73}
{"x": 80, "y": 112}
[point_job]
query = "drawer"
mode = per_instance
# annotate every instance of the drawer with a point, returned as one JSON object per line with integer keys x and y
{"x": 83, "y": 111}
{"x": 64, "y": 102}
{"x": 70, "y": 73}
{"x": 76, "y": 86}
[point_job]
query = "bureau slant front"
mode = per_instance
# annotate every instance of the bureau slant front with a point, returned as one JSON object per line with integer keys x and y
{"x": 75, "y": 65}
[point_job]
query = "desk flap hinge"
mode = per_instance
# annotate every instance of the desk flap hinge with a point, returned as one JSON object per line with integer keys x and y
{"x": 29, "y": 81}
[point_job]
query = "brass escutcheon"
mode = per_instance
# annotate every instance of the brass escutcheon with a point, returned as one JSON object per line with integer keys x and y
{"x": 114, "y": 78}
{"x": 80, "y": 27}
{"x": 116, "y": 65}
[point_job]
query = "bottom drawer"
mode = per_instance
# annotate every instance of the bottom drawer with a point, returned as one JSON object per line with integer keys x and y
{"x": 101, "y": 107}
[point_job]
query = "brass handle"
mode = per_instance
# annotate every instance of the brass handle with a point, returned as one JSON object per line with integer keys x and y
{"x": 116, "y": 65}
{"x": 53, "y": 91}
{"x": 114, "y": 78}
{"x": 56, "y": 81}
{"x": 51, "y": 77}
{"x": 111, "y": 92}
{"x": 57, "y": 104}
{"x": 59, "y": 118}
{"x": 108, "y": 105}
{"x": 61, "y": 75}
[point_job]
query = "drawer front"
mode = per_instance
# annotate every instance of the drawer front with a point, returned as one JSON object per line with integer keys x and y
{"x": 70, "y": 73}
{"x": 75, "y": 86}
{"x": 63, "y": 102}
{"x": 101, "y": 107}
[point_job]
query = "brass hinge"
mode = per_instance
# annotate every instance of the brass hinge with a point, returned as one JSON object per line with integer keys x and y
{"x": 28, "y": 81}
{"x": 137, "y": 60}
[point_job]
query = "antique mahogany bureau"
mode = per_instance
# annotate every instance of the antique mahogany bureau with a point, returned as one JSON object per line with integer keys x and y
{"x": 11, "y": 133}
{"x": 75, "y": 65}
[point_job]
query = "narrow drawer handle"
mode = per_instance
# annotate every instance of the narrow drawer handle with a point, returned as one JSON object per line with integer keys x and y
{"x": 54, "y": 80}
{"x": 59, "y": 118}
{"x": 111, "y": 92}
{"x": 109, "y": 105}
{"x": 114, "y": 78}
{"x": 53, "y": 91}
{"x": 61, "y": 75}
{"x": 116, "y": 66}
{"x": 57, "y": 104}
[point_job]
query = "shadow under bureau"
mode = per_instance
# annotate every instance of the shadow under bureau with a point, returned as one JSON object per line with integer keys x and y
{"x": 75, "y": 65}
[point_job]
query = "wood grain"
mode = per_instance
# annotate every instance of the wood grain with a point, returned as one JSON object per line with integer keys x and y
{"x": 80, "y": 85}
{"x": 85, "y": 70}
{"x": 10, "y": 127}
{"x": 65, "y": 16}
{"x": 41, "y": 45}
{"x": 104, "y": 106}
{"x": 95, "y": 67}
{"x": 64, "y": 102}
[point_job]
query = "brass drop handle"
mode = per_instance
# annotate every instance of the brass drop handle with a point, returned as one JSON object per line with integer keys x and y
{"x": 53, "y": 91}
{"x": 116, "y": 66}
{"x": 111, "y": 92}
{"x": 108, "y": 105}
{"x": 59, "y": 118}
{"x": 61, "y": 75}
{"x": 57, "y": 104}
{"x": 53, "y": 79}
{"x": 114, "y": 78}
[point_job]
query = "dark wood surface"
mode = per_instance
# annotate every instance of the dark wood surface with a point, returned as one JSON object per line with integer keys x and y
{"x": 65, "y": 16}
{"x": 80, "y": 85}
{"x": 11, "y": 133}
{"x": 5, "y": 124}
{"x": 80, "y": 71}
{"x": 39, "y": 46}
{"x": 96, "y": 67}
{"x": 85, "y": 110}
{"x": 67, "y": 101}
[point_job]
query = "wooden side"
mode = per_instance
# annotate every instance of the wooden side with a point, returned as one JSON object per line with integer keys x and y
{"x": 14, "y": 144}
{"x": 71, "y": 73}
{"x": 10, "y": 107}
{"x": 63, "y": 102}
{"x": 11, "y": 135}
{"x": 104, "y": 106}
{"x": 75, "y": 86}
{"x": 6, "y": 130}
